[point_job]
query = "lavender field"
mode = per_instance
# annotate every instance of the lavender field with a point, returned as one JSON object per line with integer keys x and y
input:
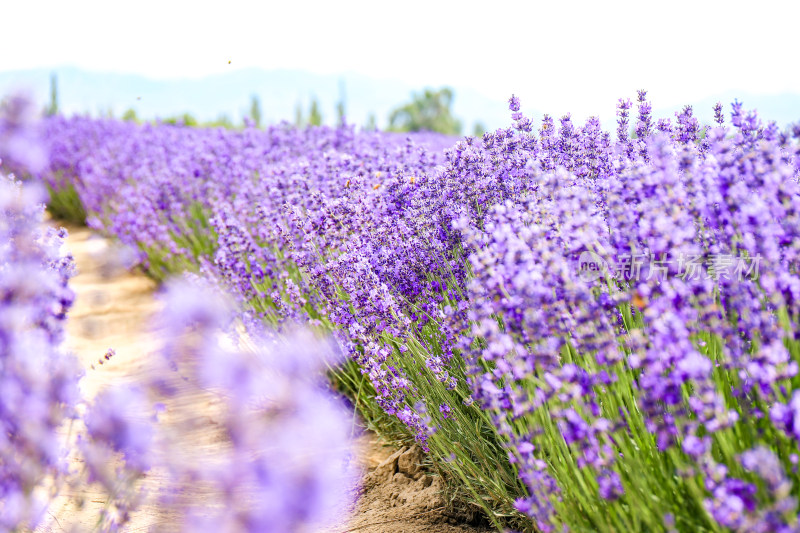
{"x": 583, "y": 330}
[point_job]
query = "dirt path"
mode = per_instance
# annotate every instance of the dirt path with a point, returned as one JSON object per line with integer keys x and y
{"x": 114, "y": 309}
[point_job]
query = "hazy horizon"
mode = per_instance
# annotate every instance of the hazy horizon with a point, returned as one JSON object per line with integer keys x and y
{"x": 576, "y": 56}
{"x": 280, "y": 91}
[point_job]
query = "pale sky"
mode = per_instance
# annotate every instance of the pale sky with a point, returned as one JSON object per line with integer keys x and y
{"x": 559, "y": 55}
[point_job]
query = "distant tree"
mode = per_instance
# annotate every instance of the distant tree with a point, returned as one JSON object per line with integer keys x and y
{"x": 478, "y": 130}
{"x": 429, "y": 111}
{"x": 52, "y": 109}
{"x": 255, "y": 110}
{"x": 372, "y": 123}
{"x": 130, "y": 115}
{"x": 222, "y": 121}
{"x": 185, "y": 119}
{"x": 314, "y": 116}
{"x": 340, "y": 105}
{"x": 188, "y": 120}
{"x": 299, "y": 120}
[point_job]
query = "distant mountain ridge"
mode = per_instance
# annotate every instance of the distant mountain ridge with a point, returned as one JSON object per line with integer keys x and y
{"x": 280, "y": 91}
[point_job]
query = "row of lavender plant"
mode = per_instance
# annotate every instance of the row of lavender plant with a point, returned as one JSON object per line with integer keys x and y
{"x": 596, "y": 332}
{"x": 282, "y": 460}
{"x": 38, "y": 381}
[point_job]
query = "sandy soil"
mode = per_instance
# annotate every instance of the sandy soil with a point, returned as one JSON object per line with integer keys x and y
{"x": 397, "y": 496}
{"x": 114, "y": 309}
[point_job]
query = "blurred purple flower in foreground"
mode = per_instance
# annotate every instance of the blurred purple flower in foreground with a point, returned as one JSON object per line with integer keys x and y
{"x": 38, "y": 381}
{"x": 20, "y": 144}
{"x": 245, "y": 439}
{"x": 285, "y": 462}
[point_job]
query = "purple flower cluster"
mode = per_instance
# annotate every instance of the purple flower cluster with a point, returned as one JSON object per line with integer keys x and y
{"x": 667, "y": 192}
{"x": 278, "y": 218}
{"x": 21, "y": 146}
{"x": 735, "y": 503}
{"x": 461, "y": 268}
{"x": 117, "y": 449}
{"x": 38, "y": 380}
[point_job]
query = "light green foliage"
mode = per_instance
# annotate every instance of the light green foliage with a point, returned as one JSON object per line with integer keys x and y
{"x": 194, "y": 238}
{"x": 314, "y": 115}
{"x": 341, "y": 105}
{"x": 65, "y": 204}
{"x": 130, "y": 115}
{"x": 255, "y": 110}
{"x": 188, "y": 120}
{"x": 185, "y": 119}
{"x": 299, "y": 119}
{"x": 52, "y": 109}
{"x": 429, "y": 111}
{"x": 372, "y": 124}
{"x": 222, "y": 121}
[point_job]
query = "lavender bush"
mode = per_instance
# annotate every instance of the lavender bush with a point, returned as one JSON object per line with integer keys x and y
{"x": 282, "y": 461}
{"x": 38, "y": 379}
{"x": 585, "y": 330}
